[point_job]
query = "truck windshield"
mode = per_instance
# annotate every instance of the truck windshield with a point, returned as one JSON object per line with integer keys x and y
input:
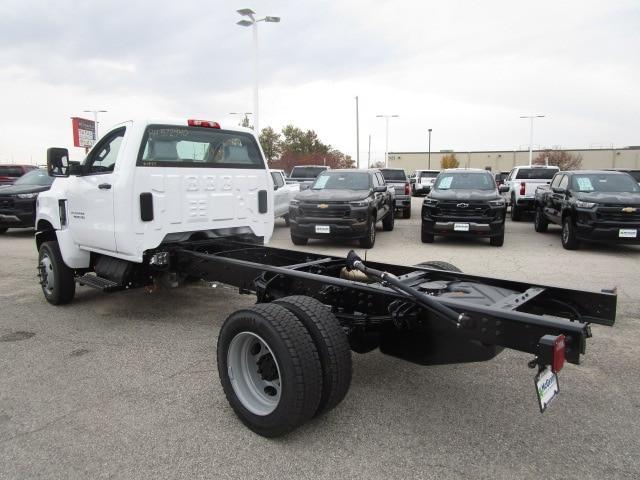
{"x": 432, "y": 174}
{"x": 306, "y": 172}
{"x": 394, "y": 175}
{"x": 604, "y": 182}
{"x": 536, "y": 173}
{"x": 35, "y": 177}
{"x": 176, "y": 146}
{"x": 342, "y": 181}
{"x": 6, "y": 171}
{"x": 465, "y": 181}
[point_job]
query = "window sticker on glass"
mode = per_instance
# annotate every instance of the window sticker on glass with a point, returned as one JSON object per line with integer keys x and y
{"x": 584, "y": 184}
{"x": 445, "y": 182}
{"x": 321, "y": 182}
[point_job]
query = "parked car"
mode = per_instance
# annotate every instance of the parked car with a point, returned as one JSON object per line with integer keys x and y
{"x": 283, "y": 194}
{"x": 423, "y": 181}
{"x": 500, "y": 177}
{"x": 397, "y": 178}
{"x": 10, "y": 173}
{"x": 634, "y": 173}
{"x": 464, "y": 202}
{"x": 591, "y": 205}
{"x": 344, "y": 204}
{"x": 519, "y": 188}
{"x": 18, "y": 201}
{"x": 305, "y": 175}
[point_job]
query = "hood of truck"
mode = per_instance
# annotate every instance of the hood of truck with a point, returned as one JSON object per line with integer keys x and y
{"x": 474, "y": 195}
{"x": 18, "y": 189}
{"x": 616, "y": 198}
{"x": 313, "y": 196}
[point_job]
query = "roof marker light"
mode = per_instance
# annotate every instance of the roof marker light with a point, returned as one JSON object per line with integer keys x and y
{"x": 203, "y": 123}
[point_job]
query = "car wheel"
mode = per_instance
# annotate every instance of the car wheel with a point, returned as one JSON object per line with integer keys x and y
{"x": 3, "y": 230}
{"x": 569, "y": 240}
{"x": 269, "y": 369}
{"x": 389, "y": 221}
{"x": 299, "y": 240}
{"x": 56, "y": 279}
{"x": 406, "y": 213}
{"x": 497, "y": 241}
{"x": 426, "y": 237}
{"x": 287, "y": 220}
{"x": 370, "y": 240}
{"x": 540, "y": 223}
{"x": 516, "y": 214}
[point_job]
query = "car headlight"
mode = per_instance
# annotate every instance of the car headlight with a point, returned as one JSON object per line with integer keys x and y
{"x": 497, "y": 203}
{"x": 430, "y": 202}
{"x": 27, "y": 195}
{"x": 360, "y": 203}
{"x": 581, "y": 204}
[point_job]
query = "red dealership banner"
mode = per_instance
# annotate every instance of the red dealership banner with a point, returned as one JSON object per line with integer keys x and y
{"x": 84, "y": 132}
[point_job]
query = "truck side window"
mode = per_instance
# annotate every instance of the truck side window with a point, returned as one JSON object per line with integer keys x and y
{"x": 277, "y": 179}
{"x": 103, "y": 158}
{"x": 380, "y": 179}
{"x": 510, "y": 177}
{"x": 564, "y": 182}
{"x": 376, "y": 182}
{"x": 556, "y": 181}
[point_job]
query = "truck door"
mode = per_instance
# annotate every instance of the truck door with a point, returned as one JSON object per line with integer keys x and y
{"x": 381, "y": 198}
{"x": 90, "y": 195}
{"x": 280, "y": 195}
{"x": 557, "y": 198}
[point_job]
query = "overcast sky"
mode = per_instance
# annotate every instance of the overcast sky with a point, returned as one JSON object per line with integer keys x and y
{"x": 466, "y": 69}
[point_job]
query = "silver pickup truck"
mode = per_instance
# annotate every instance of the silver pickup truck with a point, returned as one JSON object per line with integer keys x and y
{"x": 397, "y": 178}
{"x": 283, "y": 193}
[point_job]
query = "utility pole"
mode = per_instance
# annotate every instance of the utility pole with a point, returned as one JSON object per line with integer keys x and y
{"x": 386, "y": 148}
{"x": 357, "y": 135}
{"x": 369, "y": 155}
{"x": 429, "y": 154}
{"x": 531, "y": 117}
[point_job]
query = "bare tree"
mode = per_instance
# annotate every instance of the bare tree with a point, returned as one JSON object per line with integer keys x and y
{"x": 560, "y": 158}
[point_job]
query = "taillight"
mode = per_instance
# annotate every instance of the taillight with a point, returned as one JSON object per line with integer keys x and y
{"x": 407, "y": 188}
{"x": 522, "y": 185}
{"x": 558, "y": 354}
{"x": 551, "y": 351}
{"x": 203, "y": 123}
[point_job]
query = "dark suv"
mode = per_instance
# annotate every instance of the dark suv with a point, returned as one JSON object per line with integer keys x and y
{"x": 464, "y": 202}
{"x": 343, "y": 204}
{"x": 18, "y": 201}
{"x": 10, "y": 173}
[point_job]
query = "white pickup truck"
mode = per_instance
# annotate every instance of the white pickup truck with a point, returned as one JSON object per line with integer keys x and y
{"x": 284, "y": 192}
{"x": 519, "y": 188}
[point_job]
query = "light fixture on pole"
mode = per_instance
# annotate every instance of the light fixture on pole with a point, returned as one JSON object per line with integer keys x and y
{"x": 95, "y": 121}
{"x": 386, "y": 147}
{"x": 429, "y": 154}
{"x": 531, "y": 117}
{"x": 253, "y": 22}
{"x": 357, "y": 135}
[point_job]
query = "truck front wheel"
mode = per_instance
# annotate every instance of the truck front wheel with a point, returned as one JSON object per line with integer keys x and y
{"x": 269, "y": 369}
{"x": 299, "y": 240}
{"x": 389, "y": 221}
{"x": 540, "y": 223}
{"x": 56, "y": 279}
{"x": 516, "y": 213}
{"x": 569, "y": 240}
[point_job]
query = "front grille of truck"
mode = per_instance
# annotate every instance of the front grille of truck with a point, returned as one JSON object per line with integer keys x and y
{"x": 451, "y": 211}
{"x": 332, "y": 211}
{"x": 614, "y": 213}
{"x": 6, "y": 202}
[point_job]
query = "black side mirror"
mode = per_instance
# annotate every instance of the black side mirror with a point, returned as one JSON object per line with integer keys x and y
{"x": 275, "y": 187}
{"x": 58, "y": 162}
{"x": 503, "y": 188}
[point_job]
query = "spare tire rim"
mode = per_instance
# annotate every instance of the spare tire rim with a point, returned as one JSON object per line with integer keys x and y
{"x": 254, "y": 373}
{"x": 47, "y": 278}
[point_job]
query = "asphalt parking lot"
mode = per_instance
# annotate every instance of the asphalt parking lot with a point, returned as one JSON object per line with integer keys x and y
{"x": 125, "y": 385}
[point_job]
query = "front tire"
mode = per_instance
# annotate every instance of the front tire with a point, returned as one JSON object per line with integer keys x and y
{"x": 332, "y": 345}
{"x": 569, "y": 240}
{"x": 3, "y": 230}
{"x": 540, "y": 223}
{"x": 370, "y": 240}
{"x": 497, "y": 241}
{"x": 406, "y": 213}
{"x": 269, "y": 369}
{"x": 56, "y": 279}
{"x": 299, "y": 240}
{"x": 426, "y": 237}
{"x": 516, "y": 213}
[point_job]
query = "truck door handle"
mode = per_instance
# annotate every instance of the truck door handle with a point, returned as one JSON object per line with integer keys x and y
{"x": 104, "y": 186}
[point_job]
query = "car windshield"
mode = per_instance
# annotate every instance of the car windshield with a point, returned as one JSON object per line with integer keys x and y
{"x": 306, "y": 172}
{"x": 394, "y": 175}
{"x": 536, "y": 173}
{"x": 35, "y": 177}
{"x": 465, "y": 181}
{"x": 342, "y": 181}
{"x": 8, "y": 171}
{"x": 604, "y": 182}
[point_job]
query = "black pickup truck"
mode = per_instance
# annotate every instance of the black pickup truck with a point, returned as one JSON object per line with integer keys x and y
{"x": 590, "y": 205}
{"x": 344, "y": 204}
{"x": 464, "y": 202}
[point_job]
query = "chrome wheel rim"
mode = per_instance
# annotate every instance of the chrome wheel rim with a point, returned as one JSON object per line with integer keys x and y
{"x": 254, "y": 373}
{"x": 565, "y": 232}
{"x": 372, "y": 232}
{"x": 47, "y": 278}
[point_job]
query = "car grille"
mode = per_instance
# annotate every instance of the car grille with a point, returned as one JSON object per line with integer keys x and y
{"x": 614, "y": 213}
{"x": 6, "y": 202}
{"x": 451, "y": 210}
{"x": 331, "y": 211}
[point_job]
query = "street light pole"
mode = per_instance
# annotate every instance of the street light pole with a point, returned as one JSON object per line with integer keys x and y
{"x": 253, "y": 22}
{"x": 95, "y": 121}
{"x": 531, "y": 117}
{"x": 386, "y": 146}
{"x": 357, "y": 135}
{"x": 429, "y": 154}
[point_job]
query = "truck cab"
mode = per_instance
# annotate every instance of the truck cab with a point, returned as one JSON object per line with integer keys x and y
{"x": 149, "y": 182}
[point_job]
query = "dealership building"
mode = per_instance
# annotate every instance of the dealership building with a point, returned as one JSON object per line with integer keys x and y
{"x": 505, "y": 160}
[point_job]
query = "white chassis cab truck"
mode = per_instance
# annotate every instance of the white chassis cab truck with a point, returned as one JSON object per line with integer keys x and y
{"x": 157, "y": 202}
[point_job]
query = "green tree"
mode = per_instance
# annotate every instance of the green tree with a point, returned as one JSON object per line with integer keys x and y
{"x": 271, "y": 144}
{"x": 449, "y": 161}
